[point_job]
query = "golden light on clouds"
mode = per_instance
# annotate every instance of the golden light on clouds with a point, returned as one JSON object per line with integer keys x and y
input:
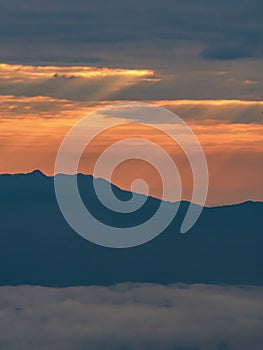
{"x": 72, "y": 82}
{"x": 20, "y": 72}
{"x": 235, "y": 111}
{"x": 208, "y": 102}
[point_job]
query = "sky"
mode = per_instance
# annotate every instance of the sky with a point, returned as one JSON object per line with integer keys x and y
{"x": 60, "y": 60}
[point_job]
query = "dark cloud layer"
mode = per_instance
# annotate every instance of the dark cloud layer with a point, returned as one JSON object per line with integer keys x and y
{"x": 131, "y": 316}
{"x": 200, "y": 49}
{"x": 223, "y": 29}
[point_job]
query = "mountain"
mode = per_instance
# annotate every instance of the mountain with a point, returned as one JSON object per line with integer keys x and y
{"x": 38, "y": 247}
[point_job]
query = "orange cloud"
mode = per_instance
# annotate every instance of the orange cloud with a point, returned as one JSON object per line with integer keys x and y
{"x": 27, "y": 72}
{"x": 235, "y": 111}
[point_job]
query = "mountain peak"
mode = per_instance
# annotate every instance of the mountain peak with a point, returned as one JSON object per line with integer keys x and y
{"x": 36, "y": 172}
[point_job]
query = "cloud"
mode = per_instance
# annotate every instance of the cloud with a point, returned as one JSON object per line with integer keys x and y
{"x": 25, "y": 72}
{"x": 231, "y": 53}
{"x": 224, "y": 111}
{"x": 86, "y": 83}
{"x": 131, "y": 316}
{"x": 208, "y": 111}
{"x": 207, "y": 22}
{"x": 70, "y": 82}
{"x": 233, "y": 111}
{"x": 174, "y": 38}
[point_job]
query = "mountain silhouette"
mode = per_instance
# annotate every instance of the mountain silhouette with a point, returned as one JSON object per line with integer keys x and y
{"x": 38, "y": 247}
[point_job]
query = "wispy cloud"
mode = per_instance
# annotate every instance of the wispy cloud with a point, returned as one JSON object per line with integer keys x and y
{"x": 18, "y": 72}
{"x": 70, "y": 82}
{"x": 209, "y": 111}
{"x": 234, "y": 111}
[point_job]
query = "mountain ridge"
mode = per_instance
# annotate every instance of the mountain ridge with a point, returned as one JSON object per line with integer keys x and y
{"x": 39, "y": 172}
{"x": 39, "y": 248}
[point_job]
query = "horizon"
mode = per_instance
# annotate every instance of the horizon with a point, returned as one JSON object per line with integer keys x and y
{"x": 127, "y": 190}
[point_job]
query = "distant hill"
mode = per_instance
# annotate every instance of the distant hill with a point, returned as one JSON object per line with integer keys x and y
{"x": 38, "y": 247}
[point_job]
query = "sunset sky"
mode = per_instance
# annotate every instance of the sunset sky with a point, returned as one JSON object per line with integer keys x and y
{"x": 203, "y": 62}
{"x": 131, "y": 174}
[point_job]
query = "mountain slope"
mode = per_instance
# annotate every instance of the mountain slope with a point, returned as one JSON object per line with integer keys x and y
{"x": 38, "y": 247}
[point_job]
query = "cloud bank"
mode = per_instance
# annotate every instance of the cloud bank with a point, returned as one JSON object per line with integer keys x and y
{"x": 131, "y": 316}
{"x": 223, "y": 30}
